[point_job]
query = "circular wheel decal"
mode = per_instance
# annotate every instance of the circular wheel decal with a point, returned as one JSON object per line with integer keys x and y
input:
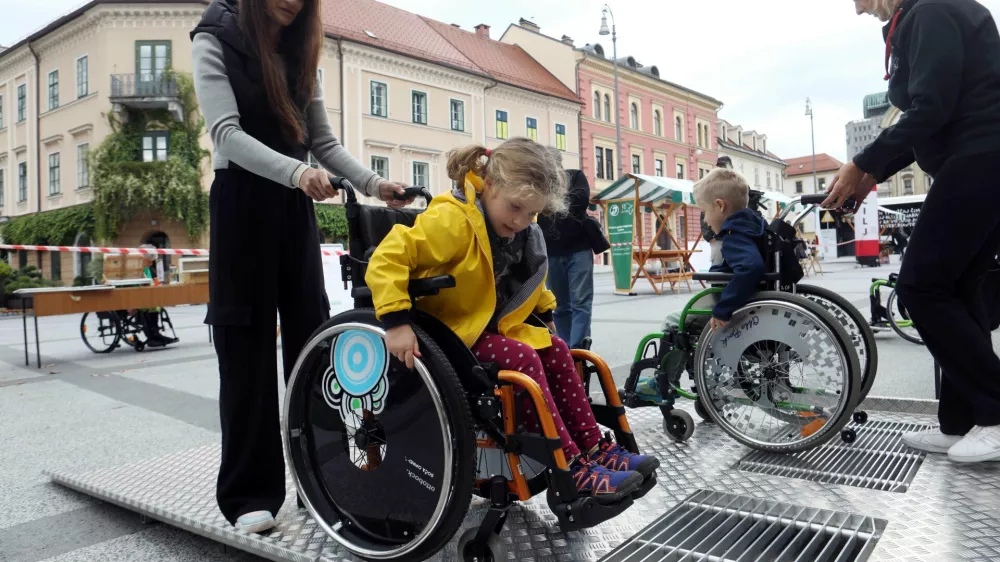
{"x": 355, "y": 381}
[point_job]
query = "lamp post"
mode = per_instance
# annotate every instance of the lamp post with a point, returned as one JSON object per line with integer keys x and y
{"x": 614, "y": 49}
{"x": 812, "y": 132}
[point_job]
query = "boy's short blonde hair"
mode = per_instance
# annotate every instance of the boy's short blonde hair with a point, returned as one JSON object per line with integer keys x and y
{"x": 723, "y": 184}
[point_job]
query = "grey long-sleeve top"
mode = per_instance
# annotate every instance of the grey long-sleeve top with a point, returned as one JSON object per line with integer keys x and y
{"x": 233, "y": 144}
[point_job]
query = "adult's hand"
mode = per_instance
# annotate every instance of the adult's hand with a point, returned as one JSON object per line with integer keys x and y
{"x": 387, "y": 192}
{"x": 849, "y": 183}
{"x": 316, "y": 184}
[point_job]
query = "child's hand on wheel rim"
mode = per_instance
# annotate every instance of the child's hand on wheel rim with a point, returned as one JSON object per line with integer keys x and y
{"x": 717, "y": 324}
{"x": 402, "y": 343}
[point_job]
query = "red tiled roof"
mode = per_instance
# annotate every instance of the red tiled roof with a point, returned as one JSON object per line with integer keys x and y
{"x": 505, "y": 63}
{"x": 393, "y": 29}
{"x": 803, "y": 165}
{"x": 412, "y": 35}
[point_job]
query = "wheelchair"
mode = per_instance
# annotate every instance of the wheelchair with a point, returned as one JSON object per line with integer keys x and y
{"x": 785, "y": 375}
{"x": 387, "y": 460}
{"x": 893, "y": 314}
{"x": 104, "y": 332}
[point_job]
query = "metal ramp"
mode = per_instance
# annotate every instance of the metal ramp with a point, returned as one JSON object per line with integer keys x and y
{"x": 948, "y": 512}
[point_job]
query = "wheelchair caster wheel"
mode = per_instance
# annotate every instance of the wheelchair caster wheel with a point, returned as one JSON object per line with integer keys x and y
{"x": 680, "y": 426}
{"x": 848, "y": 436}
{"x": 493, "y": 551}
{"x": 139, "y": 346}
{"x": 860, "y": 418}
{"x": 699, "y": 409}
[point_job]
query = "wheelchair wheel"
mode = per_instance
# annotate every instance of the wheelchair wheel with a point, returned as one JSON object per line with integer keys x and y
{"x": 857, "y": 328}
{"x": 131, "y": 331}
{"x": 166, "y": 323}
{"x": 782, "y": 377}
{"x": 382, "y": 457}
{"x": 100, "y": 331}
{"x": 900, "y": 320}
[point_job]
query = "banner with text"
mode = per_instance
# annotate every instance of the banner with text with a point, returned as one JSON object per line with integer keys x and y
{"x": 621, "y": 231}
{"x": 866, "y": 227}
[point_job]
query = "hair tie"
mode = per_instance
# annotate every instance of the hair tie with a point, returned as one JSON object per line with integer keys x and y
{"x": 488, "y": 151}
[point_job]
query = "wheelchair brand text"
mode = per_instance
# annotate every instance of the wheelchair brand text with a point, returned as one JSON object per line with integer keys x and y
{"x": 421, "y": 470}
{"x": 737, "y": 331}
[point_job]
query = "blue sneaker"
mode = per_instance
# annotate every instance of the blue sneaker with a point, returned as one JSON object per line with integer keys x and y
{"x": 605, "y": 485}
{"x": 613, "y": 456}
{"x": 648, "y": 389}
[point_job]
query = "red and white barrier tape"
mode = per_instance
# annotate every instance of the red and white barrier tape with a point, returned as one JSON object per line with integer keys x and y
{"x": 125, "y": 251}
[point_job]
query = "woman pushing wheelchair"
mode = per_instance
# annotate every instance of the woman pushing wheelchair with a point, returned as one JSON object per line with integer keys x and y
{"x": 484, "y": 235}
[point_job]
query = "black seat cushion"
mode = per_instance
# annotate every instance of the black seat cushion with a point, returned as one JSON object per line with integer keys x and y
{"x": 370, "y": 227}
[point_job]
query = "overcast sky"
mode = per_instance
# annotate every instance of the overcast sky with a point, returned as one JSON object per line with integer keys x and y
{"x": 760, "y": 58}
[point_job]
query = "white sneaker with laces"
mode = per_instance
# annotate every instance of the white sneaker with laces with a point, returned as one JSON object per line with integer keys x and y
{"x": 930, "y": 441}
{"x": 981, "y": 444}
{"x": 256, "y": 522}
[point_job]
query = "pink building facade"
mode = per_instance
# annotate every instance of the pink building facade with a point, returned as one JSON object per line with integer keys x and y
{"x": 666, "y": 130}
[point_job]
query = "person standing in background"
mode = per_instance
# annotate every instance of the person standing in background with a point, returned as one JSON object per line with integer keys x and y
{"x": 571, "y": 240}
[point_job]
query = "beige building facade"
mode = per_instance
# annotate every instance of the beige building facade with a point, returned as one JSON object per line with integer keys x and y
{"x": 396, "y": 106}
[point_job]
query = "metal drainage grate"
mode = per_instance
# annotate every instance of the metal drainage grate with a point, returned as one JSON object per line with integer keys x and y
{"x": 723, "y": 527}
{"x": 877, "y": 460}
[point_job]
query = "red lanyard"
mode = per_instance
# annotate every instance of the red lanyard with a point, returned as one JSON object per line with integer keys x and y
{"x": 888, "y": 41}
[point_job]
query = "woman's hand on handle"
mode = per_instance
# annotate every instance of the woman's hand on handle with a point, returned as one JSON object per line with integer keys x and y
{"x": 387, "y": 192}
{"x": 849, "y": 183}
{"x": 402, "y": 343}
{"x": 316, "y": 184}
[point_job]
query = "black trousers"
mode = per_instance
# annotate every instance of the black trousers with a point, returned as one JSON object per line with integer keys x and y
{"x": 265, "y": 260}
{"x": 948, "y": 286}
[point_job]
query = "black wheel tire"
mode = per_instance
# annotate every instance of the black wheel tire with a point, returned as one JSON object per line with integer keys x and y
{"x": 113, "y": 322}
{"x": 848, "y": 436}
{"x": 494, "y": 550}
{"x": 902, "y": 312}
{"x": 860, "y": 417}
{"x": 847, "y": 349}
{"x": 680, "y": 427}
{"x": 870, "y": 367}
{"x": 699, "y": 409}
{"x": 139, "y": 346}
{"x": 456, "y": 404}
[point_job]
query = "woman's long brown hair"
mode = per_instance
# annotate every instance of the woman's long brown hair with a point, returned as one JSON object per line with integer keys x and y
{"x": 300, "y": 44}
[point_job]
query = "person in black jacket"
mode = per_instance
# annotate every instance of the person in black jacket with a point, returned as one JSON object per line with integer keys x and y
{"x": 571, "y": 263}
{"x": 943, "y": 69}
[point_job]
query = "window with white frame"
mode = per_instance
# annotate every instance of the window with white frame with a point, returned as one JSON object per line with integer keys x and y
{"x": 679, "y": 128}
{"x": 421, "y": 174}
{"x": 22, "y": 182}
{"x": 769, "y": 179}
{"x": 457, "y": 115}
{"x": 22, "y": 103}
{"x": 155, "y": 146}
{"x": 633, "y": 116}
{"x": 1, "y": 112}
{"x": 53, "y": 89}
{"x": 680, "y": 171}
{"x": 636, "y": 164}
{"x": 380, "y": 165}
{"x": 560, "y": 137}
{"x": 609, "y": 164}
{"x": 599, "y": 162}
{"x": 419, "y": 108}
{"x": 55, "y": 187}
{"x": 607, "y": 108}
{"x": 379, "y": 101}
{"x": 701, "y": 141}
{"x": 756, "y": 176}
{"x": 503, "y": 128}
{"x": 597, "y": 105}
{"x": 531, "y": 128}
{"x": 82, "y": 166}
{"x": 657, "y": 123}
{"x": 82, "y": 77}
{"x": 658, "y": 167}
{"x": 3, "y": 189}
{"x": 798, "y": 187}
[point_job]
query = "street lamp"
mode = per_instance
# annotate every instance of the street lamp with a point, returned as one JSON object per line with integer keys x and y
{"x": 614, "y": 49}
{"x": 812, "y": 131}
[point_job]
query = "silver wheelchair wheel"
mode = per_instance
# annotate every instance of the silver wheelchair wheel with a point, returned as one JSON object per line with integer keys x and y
{"x": 382, "y": 457}
{"x": 782, "y": 377}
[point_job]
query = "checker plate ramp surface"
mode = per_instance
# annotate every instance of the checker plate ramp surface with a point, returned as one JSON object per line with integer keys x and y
{"x": 720, "y": 526}
{"x": 878, "y": 459}
{"x": 949, "y": 513}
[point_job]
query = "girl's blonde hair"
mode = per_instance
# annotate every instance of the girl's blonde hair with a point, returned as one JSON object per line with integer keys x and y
{"x": 520, "y": 165}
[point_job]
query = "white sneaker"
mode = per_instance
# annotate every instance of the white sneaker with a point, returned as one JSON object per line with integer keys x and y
{"x": 256, "y": 522}
{"x": 979, "y": 445}
{"x": 930, "y": 441}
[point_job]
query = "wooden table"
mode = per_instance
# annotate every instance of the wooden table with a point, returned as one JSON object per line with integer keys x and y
{"x": 57, "y": 301}
{"x": 684, "y": 275}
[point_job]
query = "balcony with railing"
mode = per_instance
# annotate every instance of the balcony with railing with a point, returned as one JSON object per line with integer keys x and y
{"x": 144, "y": 92}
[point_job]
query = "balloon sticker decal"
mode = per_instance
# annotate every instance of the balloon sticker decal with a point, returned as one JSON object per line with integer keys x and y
{"x": 356, "y": 379}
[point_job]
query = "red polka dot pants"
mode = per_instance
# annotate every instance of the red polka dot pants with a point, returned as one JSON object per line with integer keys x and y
{"x": 553, "y": 369}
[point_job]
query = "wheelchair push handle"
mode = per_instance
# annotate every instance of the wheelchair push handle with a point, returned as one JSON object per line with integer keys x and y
{"x": 413, "y": 192}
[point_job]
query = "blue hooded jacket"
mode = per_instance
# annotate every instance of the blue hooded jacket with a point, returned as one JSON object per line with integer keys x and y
{"x": 740, "y": 256}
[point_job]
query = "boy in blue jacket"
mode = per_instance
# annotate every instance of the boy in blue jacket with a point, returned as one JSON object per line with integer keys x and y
{"x": 723, "y": 195}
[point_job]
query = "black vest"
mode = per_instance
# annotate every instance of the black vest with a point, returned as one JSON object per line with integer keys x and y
{"x": 245, "y": 75}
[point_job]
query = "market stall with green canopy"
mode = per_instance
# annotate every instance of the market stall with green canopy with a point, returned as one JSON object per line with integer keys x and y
{"x": 662, "y": 197}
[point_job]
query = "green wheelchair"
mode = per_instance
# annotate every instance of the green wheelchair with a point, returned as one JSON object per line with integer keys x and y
{"x": 785, "y": 375}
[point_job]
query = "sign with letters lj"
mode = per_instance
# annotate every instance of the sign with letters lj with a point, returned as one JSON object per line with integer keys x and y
{"x": 866, "y": 227}
{"x": 621, "y": 231}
